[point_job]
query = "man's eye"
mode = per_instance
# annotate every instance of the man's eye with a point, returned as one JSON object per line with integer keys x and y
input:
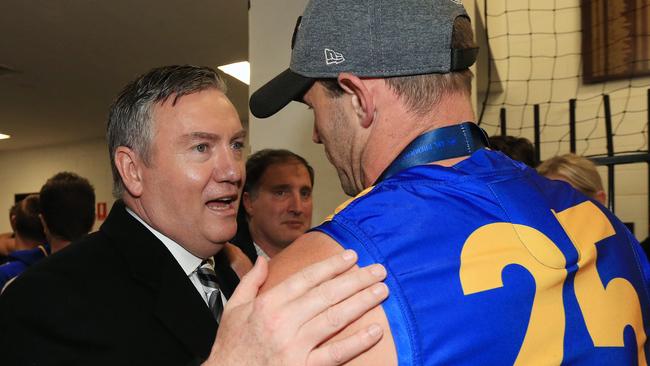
{"x": 201, "y": 148}
{"x": 305, "y": 194}
{"x": 238, "y": 145}
{"x": 279, "y": 193}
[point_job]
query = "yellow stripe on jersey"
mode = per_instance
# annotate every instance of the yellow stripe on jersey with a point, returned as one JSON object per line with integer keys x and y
{"x": 346, "y": 203}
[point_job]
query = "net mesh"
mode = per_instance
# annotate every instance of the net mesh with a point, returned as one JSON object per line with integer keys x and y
{"x": 535, "y": 57}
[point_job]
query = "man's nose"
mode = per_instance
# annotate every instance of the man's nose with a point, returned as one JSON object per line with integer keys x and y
{"x": 296, "y": 204}
{"x": 228, "y": 167}
{"x": 315, "y": 137}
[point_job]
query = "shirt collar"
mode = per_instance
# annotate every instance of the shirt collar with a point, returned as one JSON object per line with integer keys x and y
{"x": 260, "y": 252}
{"x": 188, "y": 261}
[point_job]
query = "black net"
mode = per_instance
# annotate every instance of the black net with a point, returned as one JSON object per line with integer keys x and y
{"x": 536, "y": 57}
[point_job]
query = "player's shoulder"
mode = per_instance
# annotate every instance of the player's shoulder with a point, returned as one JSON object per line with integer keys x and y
{"x": 308, "y": 249}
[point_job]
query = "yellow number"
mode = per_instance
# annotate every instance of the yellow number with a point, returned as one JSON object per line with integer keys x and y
{"x": 606, "y": 309}
{"x": 488, "y": 251}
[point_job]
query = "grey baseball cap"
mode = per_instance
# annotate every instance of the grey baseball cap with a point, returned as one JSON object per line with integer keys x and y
{"x": 369, "y": 38}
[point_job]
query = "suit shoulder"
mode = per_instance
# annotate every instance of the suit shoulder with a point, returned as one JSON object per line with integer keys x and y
{"x": 77, "y": 259}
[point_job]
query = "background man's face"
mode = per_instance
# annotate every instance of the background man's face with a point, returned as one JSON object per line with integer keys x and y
{"x": 191, "y": 188}
{"x": 280, "y": 210}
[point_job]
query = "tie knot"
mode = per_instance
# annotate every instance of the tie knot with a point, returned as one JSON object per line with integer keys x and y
{"x": 206, "y": 275}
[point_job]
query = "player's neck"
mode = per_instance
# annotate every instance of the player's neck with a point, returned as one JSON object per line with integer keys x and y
{"x": 397, "y": 130}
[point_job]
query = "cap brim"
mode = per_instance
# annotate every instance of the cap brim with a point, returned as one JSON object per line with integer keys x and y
{"x": 278, "y": 92}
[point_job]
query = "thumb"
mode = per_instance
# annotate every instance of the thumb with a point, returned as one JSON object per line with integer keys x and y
{"x": 250, "y": 284}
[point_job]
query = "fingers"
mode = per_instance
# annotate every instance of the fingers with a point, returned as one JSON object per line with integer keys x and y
{"x": 250, "y": 284}
{"x": 332, "y": 292}
{"x": 310, "y": 277}
{"x": 338, "y": 352}
{"x": 332, "y": 320}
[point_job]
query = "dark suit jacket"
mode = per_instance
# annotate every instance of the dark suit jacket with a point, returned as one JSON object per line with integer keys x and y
{"x": 243, "y": 238}
{"x": 117, "y": 297}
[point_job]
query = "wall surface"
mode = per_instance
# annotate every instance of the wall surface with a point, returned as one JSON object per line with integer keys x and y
{"x": 25, "y": 171}
{"x": 535, "y": 48}
{"x": 271, "y": 25}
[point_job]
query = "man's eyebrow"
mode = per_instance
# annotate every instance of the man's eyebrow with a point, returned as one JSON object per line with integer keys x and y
{"x": 241, "y": 134}
{"x": 199, "y": 136}
{"x": 281, "y": 186}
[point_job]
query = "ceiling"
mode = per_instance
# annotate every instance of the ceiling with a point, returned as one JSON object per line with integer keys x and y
{"x": 62, "y": 62}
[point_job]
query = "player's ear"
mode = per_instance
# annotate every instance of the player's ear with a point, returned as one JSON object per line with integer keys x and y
{"x": 363, "y": 102}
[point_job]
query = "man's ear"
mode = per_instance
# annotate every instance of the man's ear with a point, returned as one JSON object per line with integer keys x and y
{"x": 44, "y": 224}
{"x": 362, "y": 99}
{"x": 246, "y": 201}
{"x": 130, "y": 167}
{"x": 12, "y": 222}
{"x": 601, "y": 197}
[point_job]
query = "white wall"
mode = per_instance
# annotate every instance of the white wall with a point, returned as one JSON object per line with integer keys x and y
{"x": 24, "y": 171}
{"x": 271, "y": 25}
{"x": 544, "y": 44}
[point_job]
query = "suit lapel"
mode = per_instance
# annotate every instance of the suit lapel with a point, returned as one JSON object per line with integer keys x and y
{"x": 184, "y": 313}
{"x": 177, "y": 304}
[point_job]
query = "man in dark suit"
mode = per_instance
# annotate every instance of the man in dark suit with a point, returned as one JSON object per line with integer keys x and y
{"x": 143, "y": 289}
{"x": 276, "y": 204}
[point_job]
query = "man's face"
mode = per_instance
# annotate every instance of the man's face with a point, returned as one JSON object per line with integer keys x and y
{"x": 191, "y": 187}
{"x": 280, "y": 209}
{"x": 333, "y": 129}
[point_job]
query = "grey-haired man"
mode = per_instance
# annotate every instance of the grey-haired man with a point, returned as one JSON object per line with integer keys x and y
{"x": 488, "y": 263}
{"x": 148, "y": 288}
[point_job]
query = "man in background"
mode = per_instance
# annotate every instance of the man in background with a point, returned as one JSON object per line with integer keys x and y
{"x": 516, "y": 148}
{"x": 30, "y": 245}
{"x": 67, "y": 209}
{"x": 276, "y": 202}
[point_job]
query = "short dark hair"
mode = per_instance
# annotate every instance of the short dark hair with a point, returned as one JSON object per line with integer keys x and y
{"x": 257, "y": 164}
{"x": 129, "y": 119}
{"x": 28, "y": 224}
{"x": 68, "y": 205}
{"x": 421, "y": 92}
{"x": 516, "y": 148}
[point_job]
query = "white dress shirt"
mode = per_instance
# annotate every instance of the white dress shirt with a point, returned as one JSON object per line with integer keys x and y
{"x": 188, "y": 261}
{"x": 260, "y": 252}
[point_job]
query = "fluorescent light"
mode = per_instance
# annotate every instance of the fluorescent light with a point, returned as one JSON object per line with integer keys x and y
{"x": 2, "y": 136}
{"x": 239, "y": 70}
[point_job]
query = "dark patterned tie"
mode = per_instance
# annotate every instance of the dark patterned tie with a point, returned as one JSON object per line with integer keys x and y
{"x": 208, "y": 279}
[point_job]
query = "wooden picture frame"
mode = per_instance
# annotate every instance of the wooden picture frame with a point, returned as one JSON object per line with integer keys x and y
{"x": 615, "y": 39}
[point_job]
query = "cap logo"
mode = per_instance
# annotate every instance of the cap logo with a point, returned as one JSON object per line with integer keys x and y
{"x": 459, "y": 2}
{"x": 333, "y": 57}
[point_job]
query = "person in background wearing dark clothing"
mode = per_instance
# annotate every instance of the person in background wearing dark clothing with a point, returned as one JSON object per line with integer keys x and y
{"x": 30, "y": 244}
{"x": 276, "y": 205}
{"x": 67, "y": 209}
{"x": 516, "y": 148}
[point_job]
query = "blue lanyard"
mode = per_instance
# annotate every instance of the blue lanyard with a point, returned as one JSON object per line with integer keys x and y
{"x": 440, "y": 144}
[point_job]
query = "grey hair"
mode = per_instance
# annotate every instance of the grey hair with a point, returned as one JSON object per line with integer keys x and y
{"x": 129, "y": 119}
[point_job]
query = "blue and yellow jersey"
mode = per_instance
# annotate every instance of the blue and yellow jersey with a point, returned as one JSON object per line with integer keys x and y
{"x": 491, "y": 264}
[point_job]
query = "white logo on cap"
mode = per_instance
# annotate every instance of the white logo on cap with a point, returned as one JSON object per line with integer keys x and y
{"x": 333, "y": 57}
{"x": 459, "y": 2}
